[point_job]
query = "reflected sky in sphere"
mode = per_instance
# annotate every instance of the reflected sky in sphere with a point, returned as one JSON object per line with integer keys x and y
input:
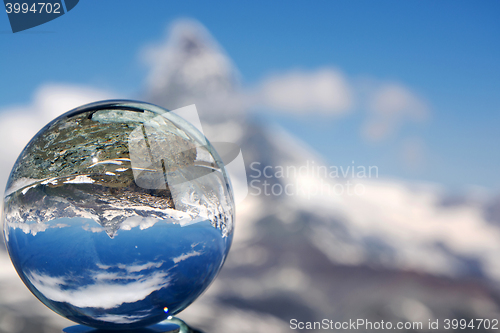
{"x": 118, "y": 215}
{"x": 126, "y": 279}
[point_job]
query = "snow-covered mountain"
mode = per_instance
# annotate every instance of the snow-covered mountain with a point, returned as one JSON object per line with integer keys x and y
{"x": 389, "y": 223}
{"x": 392, "y": 250}
{"x": 380, "y": 250}
{"x": 395, "y": 253}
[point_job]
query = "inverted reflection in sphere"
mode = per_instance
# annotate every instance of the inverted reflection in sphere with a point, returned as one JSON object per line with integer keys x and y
{"x": 118, "y": 214}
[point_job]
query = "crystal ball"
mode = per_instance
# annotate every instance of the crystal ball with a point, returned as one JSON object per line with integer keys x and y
{"x": 118, "y": 214}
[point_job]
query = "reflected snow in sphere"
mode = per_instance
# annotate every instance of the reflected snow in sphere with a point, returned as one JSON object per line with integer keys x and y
{"x": 118, "y": 214}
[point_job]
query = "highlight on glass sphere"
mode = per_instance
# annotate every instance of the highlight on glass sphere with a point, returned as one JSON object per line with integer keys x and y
{"x": 118, "y": 214}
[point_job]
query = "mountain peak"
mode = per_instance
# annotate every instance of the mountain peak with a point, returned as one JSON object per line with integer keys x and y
{"x": 189, "y": 67}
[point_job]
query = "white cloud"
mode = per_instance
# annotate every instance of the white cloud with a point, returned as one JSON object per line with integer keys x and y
{"x": 140, "y": 268}
{"x": 389, "y": 106}
{"x": 142, "y": 222}
{"x": 102, "y": 294}
{"x": 185, "y": 256}
{"x": 34, "y": 228}
{"x": 324, "y": 90}
{"x": 20, "y": 123}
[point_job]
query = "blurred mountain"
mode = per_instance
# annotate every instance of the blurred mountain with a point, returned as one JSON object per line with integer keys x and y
{"x": 380, "y": 250}
{"x": 191, "y": 68}
{"x": 393, "y": 252}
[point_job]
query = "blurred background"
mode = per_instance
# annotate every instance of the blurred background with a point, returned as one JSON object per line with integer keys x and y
{"x": 369, "y": 132}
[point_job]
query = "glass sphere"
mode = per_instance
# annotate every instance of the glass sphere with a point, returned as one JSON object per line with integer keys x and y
{"x": 118, "y": 214}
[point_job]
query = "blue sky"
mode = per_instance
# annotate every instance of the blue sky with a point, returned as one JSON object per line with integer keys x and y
{"x": 446, "y": 53}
